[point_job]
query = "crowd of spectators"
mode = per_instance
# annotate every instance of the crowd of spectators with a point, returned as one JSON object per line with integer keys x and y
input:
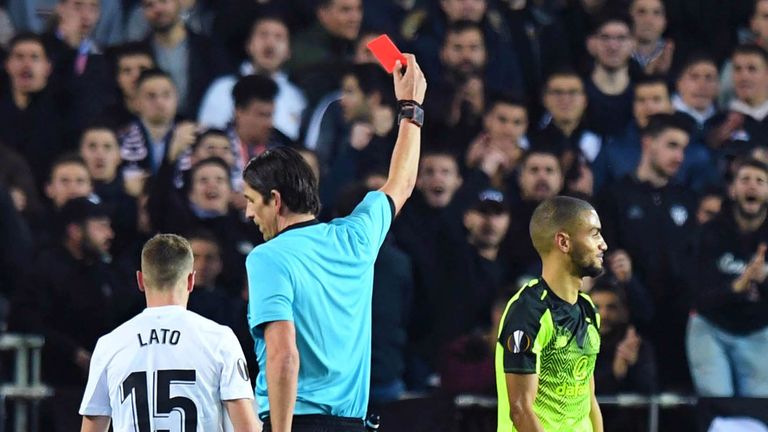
{"x": 123, "y": 118}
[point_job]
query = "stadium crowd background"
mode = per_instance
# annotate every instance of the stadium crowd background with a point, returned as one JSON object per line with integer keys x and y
{"x": 123, "y": 118}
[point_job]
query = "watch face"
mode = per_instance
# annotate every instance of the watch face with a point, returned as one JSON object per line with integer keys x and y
{"x": 412, "y": 113}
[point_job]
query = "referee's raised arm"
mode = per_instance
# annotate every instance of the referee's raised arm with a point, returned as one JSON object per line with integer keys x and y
{"x": 409, "y": 90}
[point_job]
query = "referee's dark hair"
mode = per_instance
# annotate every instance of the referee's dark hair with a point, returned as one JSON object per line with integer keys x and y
{"x": 560, "y": 213}
{"x": 165, "y": 260}
{"x": 284, "y": 170}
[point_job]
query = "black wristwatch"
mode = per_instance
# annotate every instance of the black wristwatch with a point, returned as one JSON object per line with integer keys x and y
{"x": 411, "y": 111}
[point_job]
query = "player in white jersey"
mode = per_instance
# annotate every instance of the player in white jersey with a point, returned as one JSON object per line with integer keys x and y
{"x": 168, "y": 369}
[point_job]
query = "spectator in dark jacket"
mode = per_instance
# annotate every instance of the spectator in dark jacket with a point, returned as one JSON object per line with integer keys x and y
{"x": 17, "y": 250}
{"x": 746, "y": 123}
{"x": 436, "y": 210}
{"x": 626, "y": 363}
{"x": 330, "y": 42}
{"x": 652, "y": 218}
{"x": 208, "y": 299}
{"x": 79, "y": 65}
{"x": 72, "y": 303}
{"x": 728, "y": 335}
{"x": 101, "y": 152}
{"x": 129, "y": 61}
{"x": 29, "y": 102}
{"x": 472, "y": 274}
{"x": 192, "y": 60}
{"x": 157, "y": 132}
{"x": 540, "y": 177}
{"x": 391, "y": 308}
{"x": 609, "y": 87}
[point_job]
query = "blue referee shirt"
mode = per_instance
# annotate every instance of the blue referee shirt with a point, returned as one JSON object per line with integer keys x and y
{"x": 320, "y": 276}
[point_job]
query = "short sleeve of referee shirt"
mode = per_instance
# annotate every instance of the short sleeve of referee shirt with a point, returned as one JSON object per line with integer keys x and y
{"x": 369, "y": 223}
{"x": 235, "y": 382}
{"x": 270, "y": 289}
{"x": 96, "y": 397}
{"x": 525, "y": 331}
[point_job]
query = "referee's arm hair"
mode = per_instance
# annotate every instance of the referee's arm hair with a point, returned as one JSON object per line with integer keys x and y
{"x": 95, "y": 424}
{"x": 522, "y": 389}
{"x": 404, "y": 166}
{"x": 241, "y": 413}
{"x": 282, "y": 373}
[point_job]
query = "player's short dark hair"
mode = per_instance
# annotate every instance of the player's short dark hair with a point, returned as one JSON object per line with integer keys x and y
{"x": 25, "y": 36}
{"x": 560, "y": 213}
{"x": 751, "y": 49}
{"x": 283, "y": 169}
{"x": 660, "y": 123}
{"x": 254, "y": 88}
{"x": 165, "y": 260}
{"x": 750, "y": 162}
{"x": 68, "y": 158}
{"x": 153, "y": 73}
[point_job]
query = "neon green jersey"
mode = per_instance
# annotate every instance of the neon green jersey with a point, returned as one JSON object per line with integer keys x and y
{"x": 543, "y": 334}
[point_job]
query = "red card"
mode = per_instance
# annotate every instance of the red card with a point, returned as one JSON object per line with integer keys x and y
{"x": 386, "y": 52}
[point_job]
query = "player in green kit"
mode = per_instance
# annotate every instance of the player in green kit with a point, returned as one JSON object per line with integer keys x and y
{"x": 548, "y": 336}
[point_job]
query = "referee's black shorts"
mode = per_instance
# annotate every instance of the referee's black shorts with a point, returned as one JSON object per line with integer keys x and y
{"x": 322, "y": 423}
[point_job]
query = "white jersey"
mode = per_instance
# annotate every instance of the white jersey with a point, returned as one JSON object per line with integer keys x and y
{"x": 166, "y": 369}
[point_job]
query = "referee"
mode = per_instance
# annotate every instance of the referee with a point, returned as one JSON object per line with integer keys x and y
{"x": 310, "y": 284}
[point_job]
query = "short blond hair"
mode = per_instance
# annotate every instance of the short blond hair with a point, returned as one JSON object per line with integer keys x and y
{"x": 165, "y": 260}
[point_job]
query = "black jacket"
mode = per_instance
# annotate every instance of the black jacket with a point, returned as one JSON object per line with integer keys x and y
{"x": 71, "y": 303}
{"x": 723, "y": 253}
{"x": 392, "y": 293}
{"x": 654, "y": 225}
{"x": 20, "y": 129}
{"x": 88, "y": 93}
{"x": 641, "y": 377}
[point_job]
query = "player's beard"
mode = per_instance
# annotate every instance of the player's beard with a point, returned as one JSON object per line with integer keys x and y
{"x": 585, "y": 262}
